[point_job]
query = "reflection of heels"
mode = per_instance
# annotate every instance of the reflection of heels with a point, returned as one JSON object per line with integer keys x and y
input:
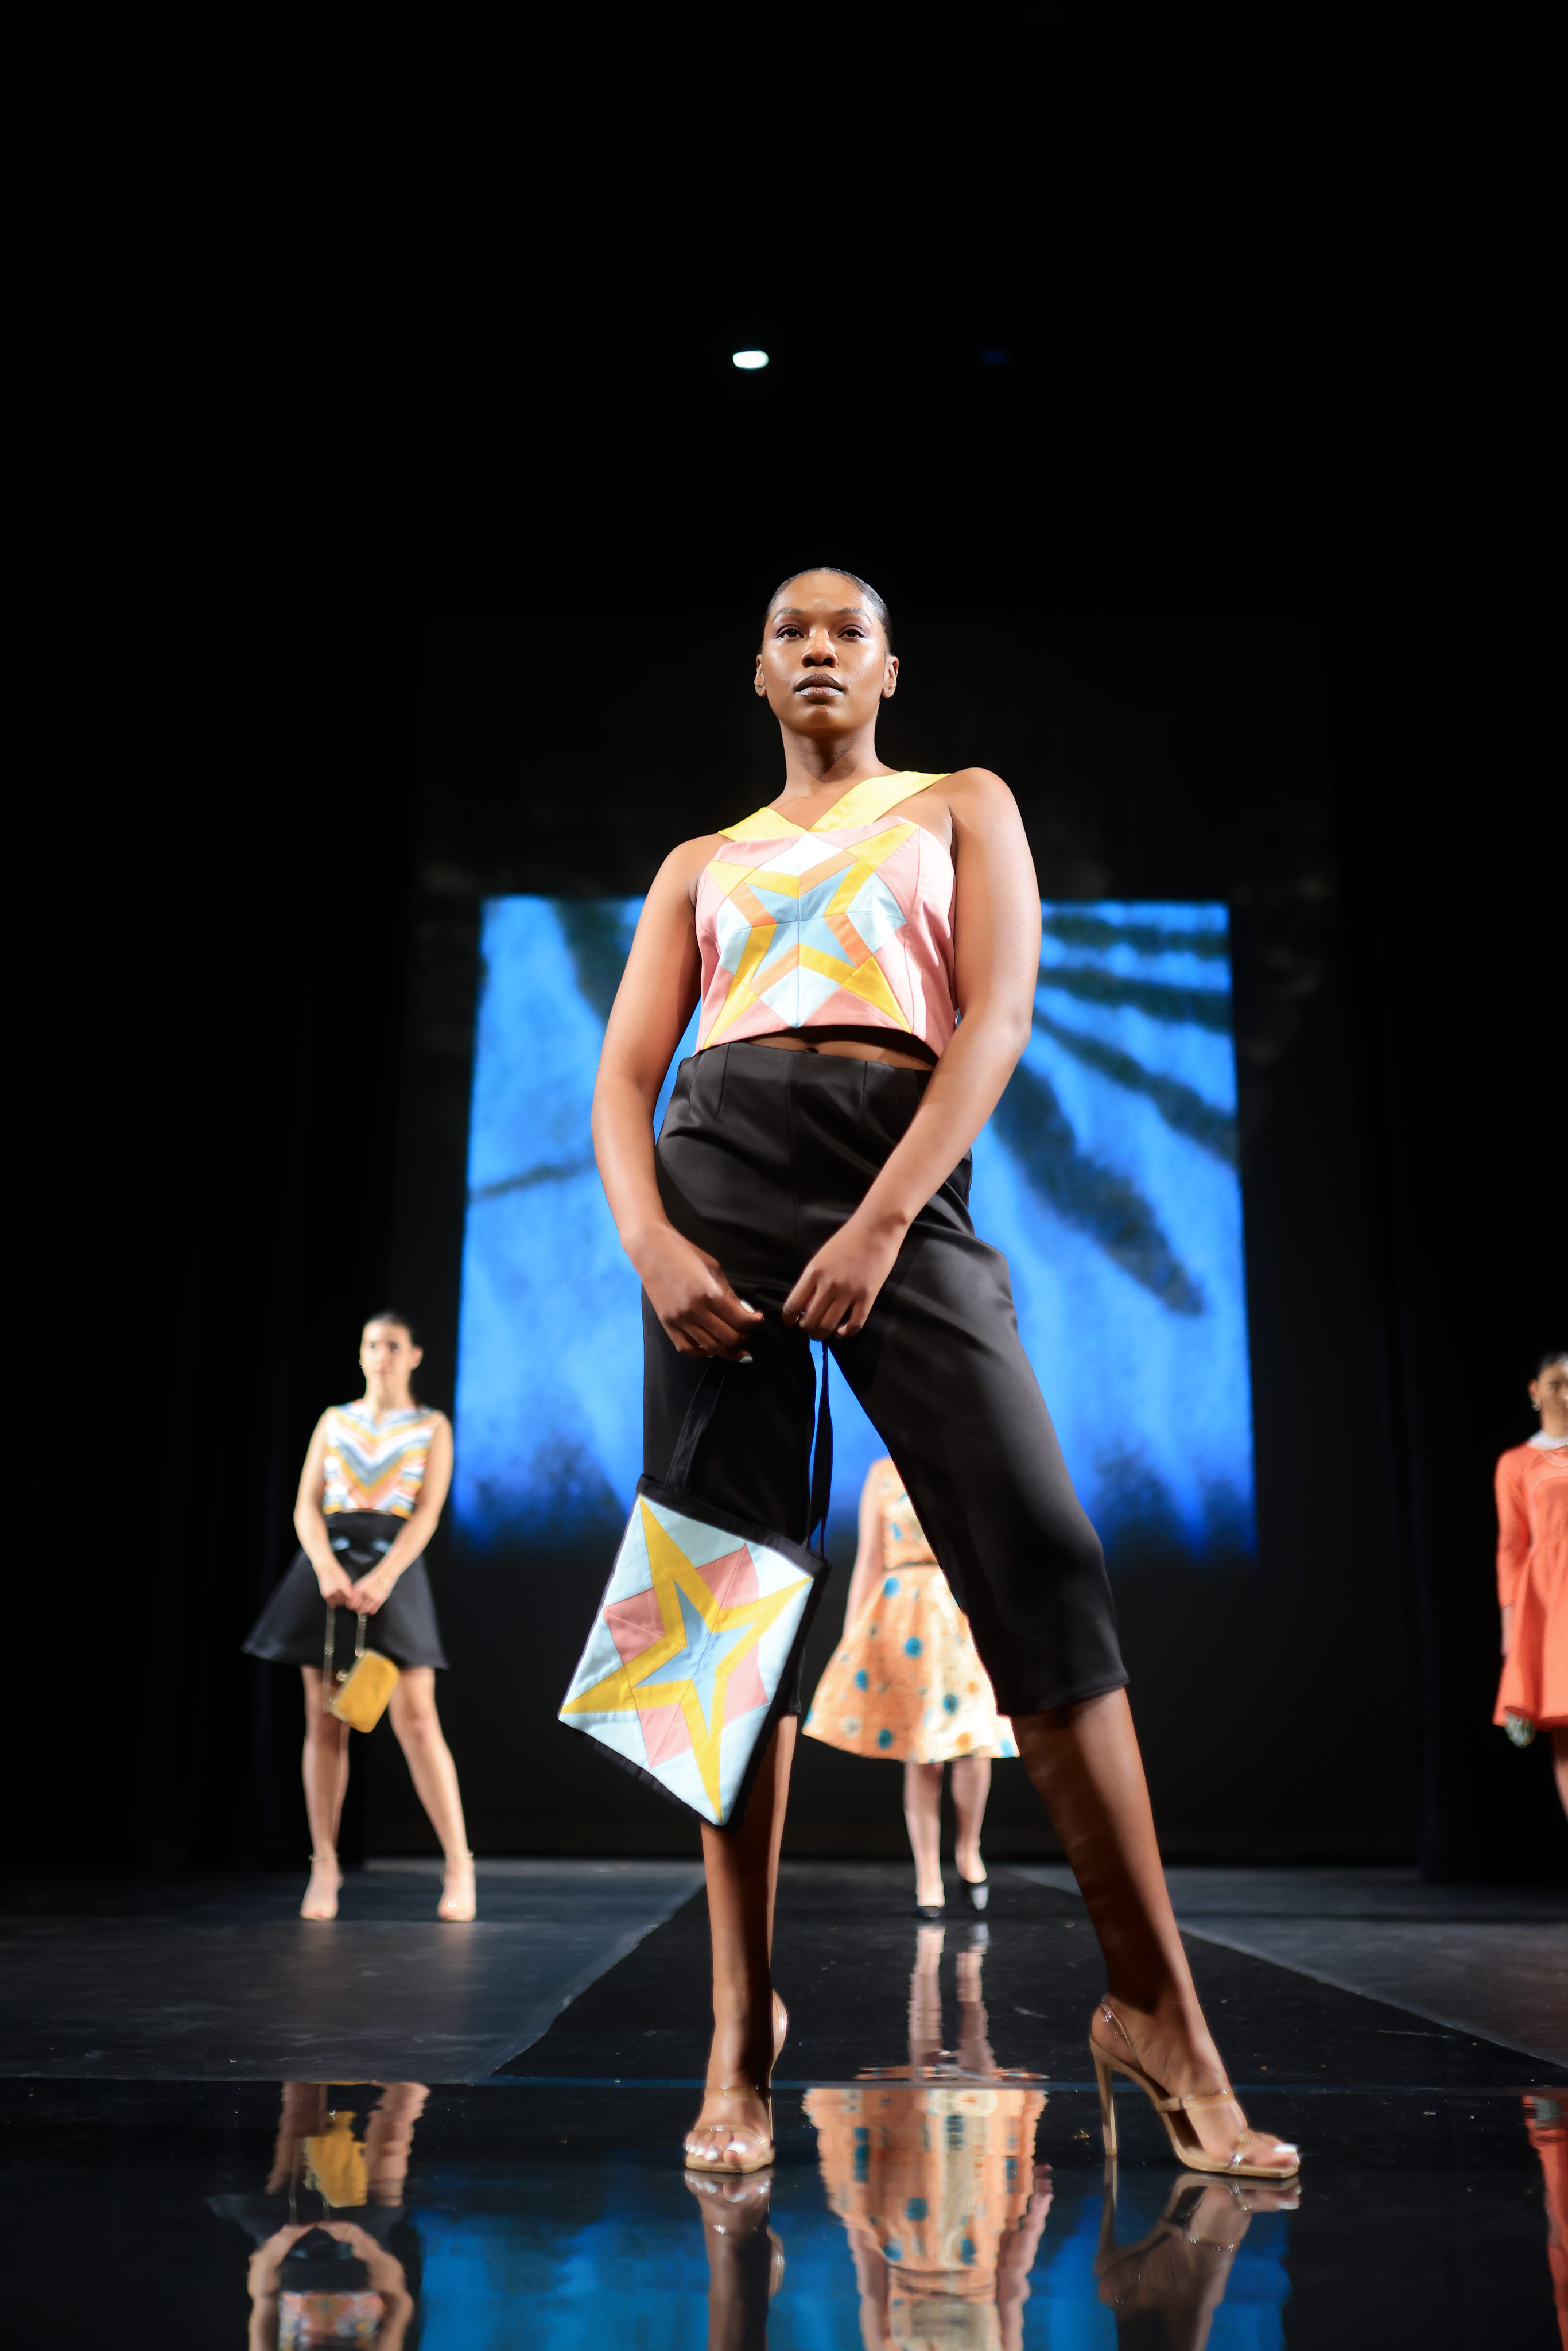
{"x": 322, "y": 1899}
{"x": 742, "y": 2148}
{"x": 1176, "y": 2114}
{"x": 456, "y": 1903}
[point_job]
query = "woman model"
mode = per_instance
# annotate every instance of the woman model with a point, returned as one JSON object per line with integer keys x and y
{"x": 810, "y": 1182}
{"x": 1533, "y": 1573}
{"x": 905, "y": 1683}
{"x": 370, "y": 1500}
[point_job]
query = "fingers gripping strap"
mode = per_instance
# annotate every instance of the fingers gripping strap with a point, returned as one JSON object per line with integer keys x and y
{"x": 694, "y": 1428}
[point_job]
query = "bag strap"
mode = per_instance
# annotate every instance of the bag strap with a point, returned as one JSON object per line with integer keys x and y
{"x": 694, "y": 1428}
{"x": 329, "y": 1657}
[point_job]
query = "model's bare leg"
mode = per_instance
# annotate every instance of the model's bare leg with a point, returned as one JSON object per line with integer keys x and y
{"x": 326, "y": 1774}
{"x": 971, "y": 1786}
{"x": 926, "y": 1999}
{"x": 734, "y": 2131}
{"x": 1560, "y": 1764}
{"x": 1084, "y": 1762}
{"x": 745, "y": 2261}
{"x": 434, "y": 1775}
{"x": 923, "y": 1819}
{"x": 973, "y": 2051}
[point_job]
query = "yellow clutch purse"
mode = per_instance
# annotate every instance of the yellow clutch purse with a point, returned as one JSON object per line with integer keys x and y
{"x": 360, "y": 1693}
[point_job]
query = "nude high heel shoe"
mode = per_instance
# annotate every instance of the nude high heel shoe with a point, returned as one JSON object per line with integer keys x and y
{"x": 456, "y": 1903}
{"x": 321, "y": 1900}
{"x": 1176, "y": 2113}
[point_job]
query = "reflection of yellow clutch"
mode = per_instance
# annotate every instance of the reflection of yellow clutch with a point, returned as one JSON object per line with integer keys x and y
{"x": 362, "y": 1692}
{"x": 335, "y": 2164}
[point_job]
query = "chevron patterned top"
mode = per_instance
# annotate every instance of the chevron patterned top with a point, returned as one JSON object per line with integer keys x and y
{"x": 849, "y": 922}
{"x": 376, "y": 1468}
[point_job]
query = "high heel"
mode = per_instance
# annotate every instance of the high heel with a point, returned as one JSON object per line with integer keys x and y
{"x": 732, "y": 2144}
{"x": 977, "y": 1891}
{"x": 322, "y": 1906}
{"x": 933, "y": 1912}
{"x": 1177, "y": 2115}
{"x": 458, "y": 1907}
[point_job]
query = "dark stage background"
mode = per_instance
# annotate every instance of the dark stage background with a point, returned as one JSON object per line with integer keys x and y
{"x": 395, "y": 532}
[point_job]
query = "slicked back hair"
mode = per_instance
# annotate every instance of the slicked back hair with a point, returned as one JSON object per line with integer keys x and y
{"x": 874, "y": 604}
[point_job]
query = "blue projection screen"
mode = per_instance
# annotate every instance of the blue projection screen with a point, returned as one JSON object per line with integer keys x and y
{"x": 1108, "y": 1174}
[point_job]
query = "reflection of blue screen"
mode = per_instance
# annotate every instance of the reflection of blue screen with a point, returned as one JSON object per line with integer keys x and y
{"x": 1107, "y": 1176}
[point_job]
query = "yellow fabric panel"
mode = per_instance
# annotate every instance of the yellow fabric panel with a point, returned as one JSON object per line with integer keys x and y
{"x": 862, "y": 804}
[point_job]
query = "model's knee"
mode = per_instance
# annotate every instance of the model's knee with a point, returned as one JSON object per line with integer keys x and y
{"x": 418, "y": 1725}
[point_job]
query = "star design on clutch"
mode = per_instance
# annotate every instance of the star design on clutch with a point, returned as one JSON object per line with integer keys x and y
{"x": 689, "y": 1663}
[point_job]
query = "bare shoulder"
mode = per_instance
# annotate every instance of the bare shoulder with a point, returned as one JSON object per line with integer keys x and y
{"x": 682, "y": 869}
{"x": 975, "y": 794}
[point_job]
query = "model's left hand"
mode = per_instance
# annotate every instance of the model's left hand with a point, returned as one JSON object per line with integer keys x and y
{"x": 370, "y": 1591}
{"x": 840, "y": 1286}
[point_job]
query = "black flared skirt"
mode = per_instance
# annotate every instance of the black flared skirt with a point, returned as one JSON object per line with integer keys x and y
{"x": 291, "y": 1630}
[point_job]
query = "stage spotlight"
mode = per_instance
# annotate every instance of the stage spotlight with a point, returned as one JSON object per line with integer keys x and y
{"x": 748, "y": 359}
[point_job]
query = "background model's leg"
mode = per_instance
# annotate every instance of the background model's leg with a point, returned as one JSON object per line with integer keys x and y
{"x": 923, "y": 1818}
{"x": 971, "y": 1786}
{"x": 326, "y": 1773}
{"x": 742, "y": 1869}
{"x": 1084, "y": 1761}
{"x": 434, "y": 1775}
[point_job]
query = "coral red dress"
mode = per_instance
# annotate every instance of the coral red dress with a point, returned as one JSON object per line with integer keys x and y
{"x": 1532, "y": 1580}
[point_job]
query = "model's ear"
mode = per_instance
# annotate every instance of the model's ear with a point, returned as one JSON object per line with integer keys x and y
{"x": 890, "y": 678}
{"x": 757, "y": 684}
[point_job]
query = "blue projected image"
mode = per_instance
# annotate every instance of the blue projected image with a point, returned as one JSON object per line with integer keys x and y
{"x": 1107, "y": 1174}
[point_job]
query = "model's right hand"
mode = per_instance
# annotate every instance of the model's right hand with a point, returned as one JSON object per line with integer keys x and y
{"x": 337, "y": 1589}
{"x": 692, "y": 1299}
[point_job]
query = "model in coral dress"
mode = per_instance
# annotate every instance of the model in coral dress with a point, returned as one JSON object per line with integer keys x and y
{"x": 1533, "y": 1573}
{"x": 906, "y": 1684}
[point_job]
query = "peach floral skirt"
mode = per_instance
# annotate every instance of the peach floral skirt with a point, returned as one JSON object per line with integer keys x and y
{"x": 906, "y": 1682}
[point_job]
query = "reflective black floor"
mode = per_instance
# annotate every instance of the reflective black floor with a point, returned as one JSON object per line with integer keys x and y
{"x": 940, "y": 2181}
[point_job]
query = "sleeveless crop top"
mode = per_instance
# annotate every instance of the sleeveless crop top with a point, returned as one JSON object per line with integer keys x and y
{"x": 848, "y": 923}
{"x": 371, "y": 1469}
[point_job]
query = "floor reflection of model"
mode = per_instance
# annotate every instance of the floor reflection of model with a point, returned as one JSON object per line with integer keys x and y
{"x": 930, "y": 2166}
{"x": 334, "y": 2244}
{"x": 1164, "y": 2289}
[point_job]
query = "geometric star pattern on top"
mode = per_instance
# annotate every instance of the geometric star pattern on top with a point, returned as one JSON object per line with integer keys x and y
{"x": 687, "y": 1641}
{"x": 802, "y": 918}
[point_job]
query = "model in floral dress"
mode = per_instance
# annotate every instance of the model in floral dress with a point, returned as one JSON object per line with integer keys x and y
{"x": 906, "y": 1684}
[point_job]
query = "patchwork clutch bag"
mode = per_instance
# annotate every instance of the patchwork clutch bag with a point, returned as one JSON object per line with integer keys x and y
{"x": 697, "y": 1646}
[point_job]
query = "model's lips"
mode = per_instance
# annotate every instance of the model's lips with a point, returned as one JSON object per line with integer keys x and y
{"x": 819, "y": 685}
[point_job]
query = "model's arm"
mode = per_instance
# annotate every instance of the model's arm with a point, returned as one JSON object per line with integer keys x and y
{"x": 1512, "y": 1540}
{"x": 996, "y": 933}
{"x": 310, "y": 1526}
{"x": 418, "y": 1526}
{"x": 658, "y": 989}
{"x": 868, "y": 1557}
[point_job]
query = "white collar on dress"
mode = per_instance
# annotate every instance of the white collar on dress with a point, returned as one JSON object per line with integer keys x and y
{"x": 1545, "y": 1444}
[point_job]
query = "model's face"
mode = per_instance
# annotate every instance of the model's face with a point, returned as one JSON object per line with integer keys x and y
{"x": 1549, "y": 1394}
{"x": 825, "y": 663}
{"x": 387, "y": 1354}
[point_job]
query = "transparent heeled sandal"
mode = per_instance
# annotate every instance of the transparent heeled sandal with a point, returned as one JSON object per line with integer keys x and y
{"x": 733, "y": 2157}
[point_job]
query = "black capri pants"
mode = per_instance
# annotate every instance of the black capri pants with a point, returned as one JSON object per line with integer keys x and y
{"x": 763, "y": 1155}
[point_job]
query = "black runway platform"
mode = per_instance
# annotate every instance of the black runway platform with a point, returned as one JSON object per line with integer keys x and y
{"x": 475, "y": 2130}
